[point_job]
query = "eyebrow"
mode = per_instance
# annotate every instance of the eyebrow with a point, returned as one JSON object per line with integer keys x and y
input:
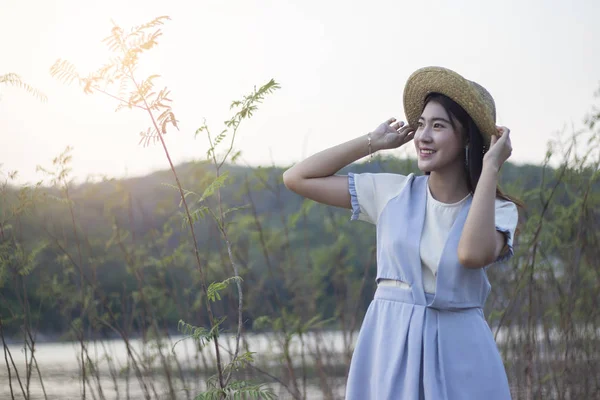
{"x": 437, "y": 119}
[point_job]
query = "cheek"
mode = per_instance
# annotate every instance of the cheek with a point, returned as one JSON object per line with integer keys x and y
{"x": 450, "y": 141}
{"x": 417, "y": 142}
{"x": 417, "y": 137}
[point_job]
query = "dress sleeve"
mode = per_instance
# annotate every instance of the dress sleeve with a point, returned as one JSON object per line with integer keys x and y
{"x": 369, "y": 193}
{"x": 507, "y": 218}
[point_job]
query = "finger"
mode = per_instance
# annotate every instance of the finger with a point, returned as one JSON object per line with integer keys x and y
{"x": 407, "y": 135}
{"x": 505, "y": 136}
{"x": 502, "y": 130}
{"x": 494, "y": 139}
{"x": 404, "y": 138}
{"x": 391, "y": 120}
{"x": 405, "y": 128}
{"x": 398, "y": 125}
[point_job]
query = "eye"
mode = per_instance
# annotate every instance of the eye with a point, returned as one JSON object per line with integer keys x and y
{"x": 419, "y": 124}
{"x": 438, "y": 125}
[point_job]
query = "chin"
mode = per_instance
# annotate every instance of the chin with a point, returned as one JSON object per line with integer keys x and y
{"x": 425, "y": 167}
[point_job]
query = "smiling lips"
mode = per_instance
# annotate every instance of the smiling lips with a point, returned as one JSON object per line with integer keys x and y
{"x": 426, "y": 153}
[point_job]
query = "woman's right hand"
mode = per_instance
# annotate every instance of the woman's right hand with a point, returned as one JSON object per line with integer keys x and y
{"x": 391, "y": 134}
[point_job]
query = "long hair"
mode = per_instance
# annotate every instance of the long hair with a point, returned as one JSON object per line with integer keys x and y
{"x": 475, "y": 149}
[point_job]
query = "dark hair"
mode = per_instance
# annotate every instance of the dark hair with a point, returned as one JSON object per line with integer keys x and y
{"x": 475, "y": 149}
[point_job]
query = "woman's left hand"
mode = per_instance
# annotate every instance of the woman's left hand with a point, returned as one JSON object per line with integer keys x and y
{"x": 500, "y": 148}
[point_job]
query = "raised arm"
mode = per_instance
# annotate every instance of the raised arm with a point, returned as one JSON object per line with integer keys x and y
{"x": 315, "y": 178}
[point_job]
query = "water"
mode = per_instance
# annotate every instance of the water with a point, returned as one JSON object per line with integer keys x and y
{"x": 110, "y": 376}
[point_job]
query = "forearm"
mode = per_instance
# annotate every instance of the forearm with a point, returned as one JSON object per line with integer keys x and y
{"x": 330, "y": 161}
{"x": 478, "y": 242}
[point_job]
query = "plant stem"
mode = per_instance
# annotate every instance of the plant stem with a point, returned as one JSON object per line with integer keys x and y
{"x": 191, "y": 226}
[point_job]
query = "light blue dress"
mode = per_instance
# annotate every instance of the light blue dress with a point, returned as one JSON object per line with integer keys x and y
{"x": 416, "y": 345}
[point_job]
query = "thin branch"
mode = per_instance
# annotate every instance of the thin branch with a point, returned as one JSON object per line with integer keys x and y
{"x": 118, "y": 98}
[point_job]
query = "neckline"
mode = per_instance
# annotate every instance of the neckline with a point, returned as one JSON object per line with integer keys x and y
{"x": 442, "y": 204}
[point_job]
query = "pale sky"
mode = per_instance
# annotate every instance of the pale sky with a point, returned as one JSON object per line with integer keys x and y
{"x": 342, "y": 66}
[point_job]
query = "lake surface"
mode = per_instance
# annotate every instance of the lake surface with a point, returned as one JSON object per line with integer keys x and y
{"x": 59, "y": 364}
{"x": 112, "y": 378}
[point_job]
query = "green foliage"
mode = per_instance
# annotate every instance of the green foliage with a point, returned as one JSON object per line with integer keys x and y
{"x": 216, "y": 287}
{"x": 199, "y": 334}
{"x": 248, "y": 105}
{"x": 215, "y": 185}
{"x": 244, "y": 109}
{"x": 196, "y": 215}
{"x": 238, "y": 390}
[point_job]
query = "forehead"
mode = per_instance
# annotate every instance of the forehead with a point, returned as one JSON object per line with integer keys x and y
{"x": 434, "y": 109}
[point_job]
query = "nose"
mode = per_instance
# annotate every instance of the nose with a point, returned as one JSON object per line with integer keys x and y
{"x": 424, "y": 134}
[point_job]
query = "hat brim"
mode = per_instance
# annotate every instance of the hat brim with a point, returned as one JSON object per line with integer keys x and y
{"x": 464, "y": 92}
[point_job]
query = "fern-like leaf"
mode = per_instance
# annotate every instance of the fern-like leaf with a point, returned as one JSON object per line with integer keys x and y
{"x": 15, "y": 80}
{"x": 236, "y": 156}
{"x": 167, "y": 117}
{"x": 146, "y": 42}
{"x": 218, "y": 183}
{"x": 238, "y": 390}
{"x": 148, "y": 136}
{"x": 201, "y": 335}
{"x": 158, "y": 21}
{"x": 28, "y": 262}
{"x": 186, "y": 192}
{"x": 146, "y": 85}
{"x": 196, "y": 215}
{"x": 64, "y": 71}
{"x": 262, "y": 322}
{"x": 213, "y": 292}
{"x": 234, "y": 209}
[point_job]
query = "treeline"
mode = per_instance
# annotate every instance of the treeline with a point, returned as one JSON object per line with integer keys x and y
{"x": 114, "y": 259}
{"x": 127, "y": 239}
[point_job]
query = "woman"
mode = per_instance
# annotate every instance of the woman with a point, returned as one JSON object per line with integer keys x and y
{"x": 424, "y": 335}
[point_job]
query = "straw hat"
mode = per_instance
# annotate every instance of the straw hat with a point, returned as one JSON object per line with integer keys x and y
{"x": 471, "y": 96}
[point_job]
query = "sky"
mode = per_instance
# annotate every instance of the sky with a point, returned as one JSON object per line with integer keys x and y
{"x": 342, "y": 66}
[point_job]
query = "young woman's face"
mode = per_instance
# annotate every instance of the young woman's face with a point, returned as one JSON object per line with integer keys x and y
{"x": 439, "y": 145}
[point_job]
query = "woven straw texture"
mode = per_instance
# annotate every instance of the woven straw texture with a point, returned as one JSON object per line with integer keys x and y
{"x": 471, "y": 96}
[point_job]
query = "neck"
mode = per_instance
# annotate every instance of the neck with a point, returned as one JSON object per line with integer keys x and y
{"x": 449, "y": 185}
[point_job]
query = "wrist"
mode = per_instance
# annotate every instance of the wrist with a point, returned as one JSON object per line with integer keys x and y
{"x": 490, "y": 166}
{"x": 375, "y": 145}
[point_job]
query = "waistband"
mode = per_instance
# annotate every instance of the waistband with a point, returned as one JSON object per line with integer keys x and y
{"x": 393, "y": 282}
{"x": 399, "y": 293}
{"x": 402, "y": 295}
